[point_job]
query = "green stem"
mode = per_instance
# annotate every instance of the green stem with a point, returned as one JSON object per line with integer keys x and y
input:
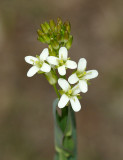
{"x": 65, "y": 133}
{"x": 55, "y": 88}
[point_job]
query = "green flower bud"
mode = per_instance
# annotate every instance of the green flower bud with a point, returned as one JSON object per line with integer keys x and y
{"x": 44, "y": 28}
{"x": 59, "y": 38}
{"x": 40, "y": 33}
{"x": 51, "y": 51}
{"x": 55, "y": 44}
{"x": 46, "y": 38}
{"x": 69, "y": 43}
{"x": 58, "y": 28}
{"x": 52, "y": 25}
{"x": 47, "y": 25}
{"x": 66, "y": 36}
{"x": 59, "y": 21}
{"x": 67, "y": 26}
{"x": 41, "y": 39}
{"x": 51, "y": 77}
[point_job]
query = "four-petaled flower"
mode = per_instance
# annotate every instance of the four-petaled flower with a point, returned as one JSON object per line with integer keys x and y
{"x": 62, "y": 62}
{"x": 38, "y": 63}
{"x": 82, "y": 76}
{"x": 69, "y": 94}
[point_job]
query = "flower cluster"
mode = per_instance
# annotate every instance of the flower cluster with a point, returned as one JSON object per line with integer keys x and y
{"x": 47, "y": 65}
{"x": 56, "y": 35}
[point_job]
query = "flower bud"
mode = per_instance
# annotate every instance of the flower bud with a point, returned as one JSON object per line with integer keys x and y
{"x": 59, "y": 38}
{"x": 66, "y": 36}
{"x": 67, "y": 26}
{"x": 47, "y": 25}
{"x": 51, "y": 77}
{"x": 51, "y": 51}
{"x": 40, "y": 33}
{"x": 44, "y": 28}
{"x": 46, "y": 38}
{"x": 55, "y": 44}
{"x": 58, "y": 28}
{"x": 69, "y": 43}
{"x": 41, "y": 39}
{"x": 59, "y": 21}
{"x": 52, "y": 25}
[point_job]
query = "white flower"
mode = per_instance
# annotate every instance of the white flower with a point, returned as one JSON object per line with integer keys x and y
{"x": 62, "y": 62}
{"x": 69, "y": 94}
{"x": 38, "y": 63}
{"x": 82, "y": 76}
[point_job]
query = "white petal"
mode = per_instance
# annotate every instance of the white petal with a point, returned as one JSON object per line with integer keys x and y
{"x": 52, "y": 60}
{"x": 44, "y": 54}
{"x": 63, "y": 53}
{"x": 73, "y": 79}
{"x": 45, "y": 67}
{"x": 75, "y": 104}
{"x": 82, "y": 65}
{"x": 63, "y": 84}
{"x": 91, "y": 74}
{"x": 76, "y": 89}
{"x": 62, "y": 70}
{"x": 83, "y": 86}
{"x": 63, "y": 101}
{"x": 33, "y": 70}
{"x": 71, "y": 64}
{"x": 30, "y": 59}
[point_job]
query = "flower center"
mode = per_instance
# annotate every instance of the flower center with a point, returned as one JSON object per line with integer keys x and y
{"x": 81, "y": 74}
{"x": 38, "y": 64}
{"x": 61, "y": 62}
{"x": 69, "y": 92}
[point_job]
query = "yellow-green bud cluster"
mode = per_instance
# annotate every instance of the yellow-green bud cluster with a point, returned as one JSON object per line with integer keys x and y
{"x": 56, "y": 35}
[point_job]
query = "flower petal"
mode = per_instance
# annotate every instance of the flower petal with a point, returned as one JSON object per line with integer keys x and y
{"x": 63, "y": 53}
{"x": 44, "y": 54}
{"x": 75, "y": 104}
{"x": 63, "y": 84}
{"x": 91, "y": 74}
{"x": 71, "y": 64}
{"x": 83, "y": 86}
{"x": 82, "y": 65}
{"x": 76, "y": 89}
{"x": 30, "y": 59}
{"x": 52, "y": 60}
{"x": 32, "y": 71}
{"x": 63, "y": 101}
{"x": 62, "y": 70}
{"x": 45, "y": 67}
{"x": 73, "y": 79}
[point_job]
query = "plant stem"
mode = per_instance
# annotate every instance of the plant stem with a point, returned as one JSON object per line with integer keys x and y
{"x": 55, "y": 88}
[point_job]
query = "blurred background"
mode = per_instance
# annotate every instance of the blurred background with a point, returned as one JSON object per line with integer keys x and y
{"x": 26, "y": 121}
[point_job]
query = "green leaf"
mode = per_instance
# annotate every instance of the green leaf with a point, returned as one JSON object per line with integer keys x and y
{"x": 68, "y": 143}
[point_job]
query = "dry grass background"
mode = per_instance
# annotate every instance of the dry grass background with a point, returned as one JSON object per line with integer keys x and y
{"x": 26, "y": 122}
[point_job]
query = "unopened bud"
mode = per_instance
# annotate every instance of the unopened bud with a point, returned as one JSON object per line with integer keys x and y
{"x": 46, "y": 38}
{"x": 69, "y": 43}
{"x": 52, "y": 25}
{"x": 59, "y": 21}
{"x": 40, "y": 33}
{"x": 66, "y": 36}
{"x": 47, "y": 25}
{"x": 55, "y": 44}
{"x": 59, "y": 38}
{"x": 51, "y": 77}
{"x": 67, "y": 26}
{"x": 41, "y": 39}
{"x": 44, "y": 28}
{"x": 58, "y": 28}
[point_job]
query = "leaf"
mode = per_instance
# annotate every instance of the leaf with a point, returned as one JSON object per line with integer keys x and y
{"x": 68, "y": 143}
